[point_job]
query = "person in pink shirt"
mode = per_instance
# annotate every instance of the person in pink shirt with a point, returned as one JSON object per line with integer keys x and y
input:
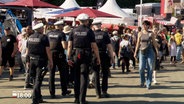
{"x": 19, "y": 38}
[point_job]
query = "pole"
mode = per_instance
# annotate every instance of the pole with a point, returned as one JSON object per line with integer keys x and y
{"x": 140, "y": 13}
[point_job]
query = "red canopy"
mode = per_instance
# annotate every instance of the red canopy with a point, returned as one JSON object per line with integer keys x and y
{"x": 108, "y": 26}
{"x": 30, "y": 3}
{"x": 132, "y": 27}
{"x": 91, "y": 12}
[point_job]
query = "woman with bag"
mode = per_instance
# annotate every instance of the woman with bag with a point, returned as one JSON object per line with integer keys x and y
{"x": 145, "y": 44}
{"x": 125, "y": 51}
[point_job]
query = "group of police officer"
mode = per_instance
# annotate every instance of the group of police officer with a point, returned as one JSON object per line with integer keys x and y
{"x": 85, "y": 48}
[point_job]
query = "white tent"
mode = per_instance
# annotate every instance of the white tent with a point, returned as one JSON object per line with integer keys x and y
{"x": 112, "y": 7}
{"x": 69, "y": 4}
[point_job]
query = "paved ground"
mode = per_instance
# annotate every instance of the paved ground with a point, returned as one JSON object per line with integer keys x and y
{"x": 123, "y": 88}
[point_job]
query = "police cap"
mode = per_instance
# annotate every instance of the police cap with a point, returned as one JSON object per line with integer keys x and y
{"x": 82, "y": 16}
{"x": 96, "y": 23}
{"x": 38, "y": 26}
{"x": 60, "y": 22}
{"x": 115, "y": 32}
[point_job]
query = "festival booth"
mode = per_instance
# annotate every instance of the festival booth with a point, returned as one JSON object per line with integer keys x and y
{"x": 91, "y": 12}
{"x": 27, "y": 7}
{"x": 112, "y": 7}
{"x": 170, "y": 25}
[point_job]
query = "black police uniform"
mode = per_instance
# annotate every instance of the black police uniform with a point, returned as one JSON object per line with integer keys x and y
{"x": 36, "y": 45}
{"x": 82, "y": 37}
{"x": 59, "y": 60}
{"x": 102, "y": 39}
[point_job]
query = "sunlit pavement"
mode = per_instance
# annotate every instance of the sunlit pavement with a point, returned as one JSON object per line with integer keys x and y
{"x": 123, "y": 89}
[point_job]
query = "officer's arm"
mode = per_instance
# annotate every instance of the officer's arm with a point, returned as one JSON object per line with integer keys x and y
{"x": 69, "y": 49}
{"x": 64, "y": 44}
{"x": 49, "y": 55}
{"x": 110, "y": 49}
{"x": 95, "y": 49}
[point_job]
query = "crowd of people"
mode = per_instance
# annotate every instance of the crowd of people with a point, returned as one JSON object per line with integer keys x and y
{"x": 87, "y": 49}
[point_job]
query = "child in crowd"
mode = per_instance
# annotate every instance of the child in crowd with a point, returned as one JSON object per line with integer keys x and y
{"x": 172, "y": 45}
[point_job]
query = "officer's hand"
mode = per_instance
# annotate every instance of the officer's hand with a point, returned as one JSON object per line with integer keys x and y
{"x": 98, "y": 62}
{"x": 112, "y": 60}
{"x": 135, "y": 55}
{"x": 50, "y": 65}
{"x": 28, "y": 65}
{"x": 12, "y": 55}
{"x": 70, "y": 62}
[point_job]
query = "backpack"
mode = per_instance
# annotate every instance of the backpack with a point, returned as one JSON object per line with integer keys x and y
{"x": 115, "y": 43}
{"x": 125, "y": 52}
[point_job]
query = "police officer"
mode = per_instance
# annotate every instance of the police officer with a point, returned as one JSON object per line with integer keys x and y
{"x": 38, "y": 54}
{"x": 83, "y": 40}
{"x": 104, "y": 43}
{"x": 58, "y": 45}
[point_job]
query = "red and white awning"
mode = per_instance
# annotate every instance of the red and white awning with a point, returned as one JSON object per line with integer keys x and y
{"x": 164, "y": 22}
{"x": 169, "y": 23}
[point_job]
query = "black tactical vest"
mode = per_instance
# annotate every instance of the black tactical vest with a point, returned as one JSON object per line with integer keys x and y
{"x": 55, "y": 41}
{"x": 81, "y": 38}
{"x": 99, "y": 37}
{"x": 36, "y": 46}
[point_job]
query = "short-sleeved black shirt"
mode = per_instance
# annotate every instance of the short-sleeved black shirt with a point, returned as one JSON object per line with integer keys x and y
{"x": 37, "y": 44}
{"x": 102, "y": 39}
{"x": 82, "y": 37}
{"x": 8, "y": 43}
{"x": 55, "y": 39}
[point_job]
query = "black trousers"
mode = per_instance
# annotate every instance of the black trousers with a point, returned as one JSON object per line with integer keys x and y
{"x": 59, "y": 60}
{"x": 37, "y": 68}
{"x": 125, "y": 62}
{"x": 71, "y": 74}
{"x": 105, "y": 61}
{"x": 81, "y": 74}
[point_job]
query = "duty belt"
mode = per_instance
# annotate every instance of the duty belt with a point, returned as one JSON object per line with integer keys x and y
{"x": 87, "y": 49}
{"x": 36, "y": 58}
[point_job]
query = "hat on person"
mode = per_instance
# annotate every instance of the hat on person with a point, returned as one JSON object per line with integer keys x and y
{"x": 66, "y": 29}
{"x": 38, "y": 26}
{"x": 96, "y": 22}
{"x": 82, "y": 16}
{"x": 7, "y": 28}
{"x": 115, "y": 32}
{"x": 60, "y": 22}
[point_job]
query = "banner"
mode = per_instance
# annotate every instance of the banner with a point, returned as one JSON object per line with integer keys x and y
{"x": 168, "y": 7}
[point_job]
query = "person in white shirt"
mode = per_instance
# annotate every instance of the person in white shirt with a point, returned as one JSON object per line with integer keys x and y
{"x": 124, "y": 53}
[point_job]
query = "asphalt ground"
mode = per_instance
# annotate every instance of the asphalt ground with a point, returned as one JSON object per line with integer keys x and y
{"x": 123, "y": 89}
